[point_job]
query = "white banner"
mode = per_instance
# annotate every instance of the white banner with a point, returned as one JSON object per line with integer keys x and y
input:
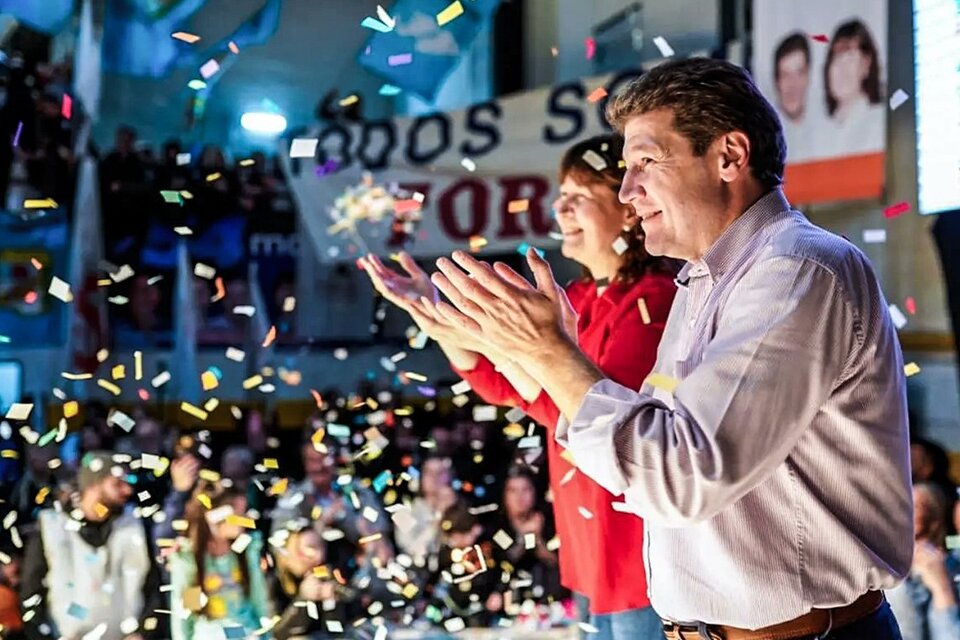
{"x": 513, "y": 145}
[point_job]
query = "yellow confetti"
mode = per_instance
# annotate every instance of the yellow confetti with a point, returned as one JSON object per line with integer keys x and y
{"x": 242, "y": 521}
{"x": 252, "y": 381}
{"x": 9, "y": 453}
{"x": 644, "y": 313}
{"x": 279, "y": 488}
{"x": 660, "y": 381}
{"x": 76, "y": 376}
{"x": 101, "y": 510}
{"x": 247, "y": 162}
{"x": 138, "y": 365}
{"x": 518, "y": 206}
{"x": 477, "y": 243}
{"x": 109, "y": 386}
{"x": 415, "y": 376}
{"x": 71, "y": 409}
{"x": 453, "y": 11}
{"x": 42, "y": 495}
{"x": 214, "y": 176}
{"x": 204, "y": 499}
{"x": 209, "y": 475}
{"x": 40, "y": 203}
{"x": 183, "y": 36}
{"x": 119, "y": 372}
{"x": 208, "y": 380}
{"x": 196, "y": 412}
{"x": 102, "y": 355}
{"x": 211, "y": 404}
{"x": 270, "y": 463}
{"x": 409, "y": 591}
{"x": 370, "y": 538}
{"x": 349, "y": 100}
{"x": 911, "y": 369}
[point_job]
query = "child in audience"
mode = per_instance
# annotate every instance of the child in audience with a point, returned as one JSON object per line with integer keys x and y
{"x": 216, "y": 578}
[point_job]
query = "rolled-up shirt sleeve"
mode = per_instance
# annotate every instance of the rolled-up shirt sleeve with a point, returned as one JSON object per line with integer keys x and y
{"x": 780, "y": 346}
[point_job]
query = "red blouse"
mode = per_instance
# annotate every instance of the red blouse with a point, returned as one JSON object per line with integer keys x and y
{"x": 601, "y": 549}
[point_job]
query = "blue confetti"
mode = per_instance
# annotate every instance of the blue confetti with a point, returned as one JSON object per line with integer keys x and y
{"x": 376, "y": 25}
{"x": 382, "y": 480}
{"x": 389, "y": 90}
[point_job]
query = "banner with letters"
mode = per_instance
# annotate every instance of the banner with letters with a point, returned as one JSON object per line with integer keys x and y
{"x": 823, "y": 65}
{"x": 474, "y": 168}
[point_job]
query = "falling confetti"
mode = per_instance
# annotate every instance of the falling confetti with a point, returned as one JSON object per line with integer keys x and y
{"x": 399, "y": 59}
{"x": 663, "y": 46}
{"x": 820, "y": 37}
{"x": 597, "y": 95}
{"x": 303, "y": 147}
{"x": 189, "y": 38}
{"x": 896, "y": 210}
{"x": 454, "y": 10}
{"x": 209, "y": 69}
{"x": 898, "y": 98}
{"x": 591, "y": 46}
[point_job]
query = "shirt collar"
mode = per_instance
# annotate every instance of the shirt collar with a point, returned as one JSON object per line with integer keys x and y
{"x": 734, "y": 240}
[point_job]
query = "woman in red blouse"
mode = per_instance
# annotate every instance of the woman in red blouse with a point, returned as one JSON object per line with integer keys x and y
{"x": 622, "y": 304}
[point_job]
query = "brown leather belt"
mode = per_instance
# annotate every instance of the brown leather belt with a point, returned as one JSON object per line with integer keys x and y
{"x": 812, "y": 623}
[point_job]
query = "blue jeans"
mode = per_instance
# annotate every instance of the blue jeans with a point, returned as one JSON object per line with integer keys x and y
{"x": 879, "y": 625}
{"x": 632, "y": 624}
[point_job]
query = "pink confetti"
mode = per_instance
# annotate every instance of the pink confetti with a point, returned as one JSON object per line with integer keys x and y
{"x": 911, "y": 305}
{"x": 66, "y": 109}
{"x": 209, "y": 68}
{"x": 820, "y": 37}
{"x": 591, "y": 46}
{"x": 895, "y": 210}
{"x": 400, "y": 59}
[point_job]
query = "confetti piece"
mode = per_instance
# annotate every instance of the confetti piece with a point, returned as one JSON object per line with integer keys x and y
{"x": 375, "y": 25}
{"x": 119, "y": 372}
{"x": 76, "y": 376}
{"x": 66, "y": 107}
{"x": 525, "y": 247}
{"x": 897, "y": 209}
{"x": 270, "y": 337}
{"x": 102, "y": 355}
{"x": 518, "y": 206}
{"x": 453, "y": 11}
{"x": 461, "y": 387}
{"x": 252, "y": 381}
{"x": 160, "y": 379}
{"x": 454, "y": 625}
{"x": 244, "y": 310}
{"x": 529, "y": 541}
{"x": 340, "y": 354}
{"x": 209, "y": 381}
{"x": 874, "y": 236}
{"x": 663, "y": 46}
{"x": 597, "y": 95}
{"x": 898, "y": 98}
{"x": 303, "y": 147}
{"x": 241, "y": 543}
{"x": 197, "y": 85}
{"x": 204, "y": 271}
{"x": 899, "y": 320}
{"x": 594, "y": 159}
{"x": 241, "y": 521}
{"x": 235, "y": 354}
{"x": 172, "y": 197}
{"x": 70, "y": 409}
{"x": 661, "y": 381}
{"x": 406, "y": 206}
{"x": 19, "y": 411}
{"x": 400, "y": 59}
{"x": 585, "y": 512}
{"x": 138, "y": 365}
{"x": 40, "y": 203}
{"x": 213, "y": 177}
{"x": 644, "y": 313}
{"x": 183, "y": 159}
{"x": 60, "y": 290}
{"x": 568, "y": 476}
{"x": 820, "y": 37}
{"x": 234, "y": 49}
{"x": 190, "y": 409}
{"x": 529, "y": 442}
{"x": 289, "y": 304}
{"x": 586, "y": 627}
{"x": 36, "y": 264}
{"x": 123, "y": 273}
{"x": 484, "y": 413}
{"x": 389, "y": 90}
{"x": 109, "y": 386}
{"x": 120, "y": 419}
{"x": 189, "y": 38}
{"x": 620, "y": 246}
{"x": 911, "y": 369}
{"x": 349, "y": 100}
{"x": 385, "y": 17}
{"x": 591, "y": 47}
{"x": 209, "y": 69}
{"x": 503, "y": 539}
{"x": 911, "y": 305}
{"x": 554, "y": 51}
{"x": 77, "y": 611}
{"x": 477, "y": 243}
{"x": 16, "y": 136}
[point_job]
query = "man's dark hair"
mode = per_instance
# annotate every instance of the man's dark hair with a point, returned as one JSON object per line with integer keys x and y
{"x": 708, "y": 99}
{"x": 794, "y": 42}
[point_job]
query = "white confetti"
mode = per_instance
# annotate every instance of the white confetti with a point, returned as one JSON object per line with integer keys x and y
{"x": 209, "y": 69}
{"x": 899, "y": 320}
{"x": 204, "y": 271}
{"x": 469, "y": 164}
{"x": 503, "y": 539}
{"x": 244, "y": 310}
{"x": 515, "y": 415}
{"x": 182, "y": 159}
{"x": 60, "y": 290}
{"x": 665, "y": 49}
{"x": 120, "y": 419}
{"x": 235, "y": 354}
{"x": 403, "y": 519}
{"x": 594, "y": 159}
{"x": 529, "y": 442}
{"x": 585, "y": 512}
{"x": 898, "y": 98}
{"x": 303, "y": 147}
{"x": 620, "y": 245}
{"x": 19, "y": 411}
{"x": 874, "y": 236}
{"x": 160, "y": 379}
{"x": 461, "y": 387}
{"x": 484, "y": 413}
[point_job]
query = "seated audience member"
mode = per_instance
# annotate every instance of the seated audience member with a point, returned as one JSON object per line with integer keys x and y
{"x": 11, "y": 624}
{"x": 92, "y": 567}
{"x": 523, "y": 518}
{"x": 348, "y": 507}
{"x": 469, "y": 584}
{"x": 305, "y": 594}
{"x": 925, "y": 604}
{"x": 422, "y": 537}
{"x": 217, "y": 584}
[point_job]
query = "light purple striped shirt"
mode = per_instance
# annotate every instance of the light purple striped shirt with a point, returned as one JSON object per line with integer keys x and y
{"x": 775, "y": 477}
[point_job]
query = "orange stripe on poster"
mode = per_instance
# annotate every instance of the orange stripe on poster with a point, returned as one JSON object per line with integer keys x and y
{"x": 848, "y": 178}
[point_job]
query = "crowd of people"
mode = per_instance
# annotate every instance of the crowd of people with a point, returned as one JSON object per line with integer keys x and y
{"x": 359, "y": 521}
{"x": 149, "y": 203}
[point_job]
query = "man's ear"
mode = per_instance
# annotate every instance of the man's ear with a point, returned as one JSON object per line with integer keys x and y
{"x": 733, "y": 156}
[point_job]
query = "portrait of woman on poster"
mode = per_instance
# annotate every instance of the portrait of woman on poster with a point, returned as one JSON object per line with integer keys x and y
{"x": 851, "y": 73}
